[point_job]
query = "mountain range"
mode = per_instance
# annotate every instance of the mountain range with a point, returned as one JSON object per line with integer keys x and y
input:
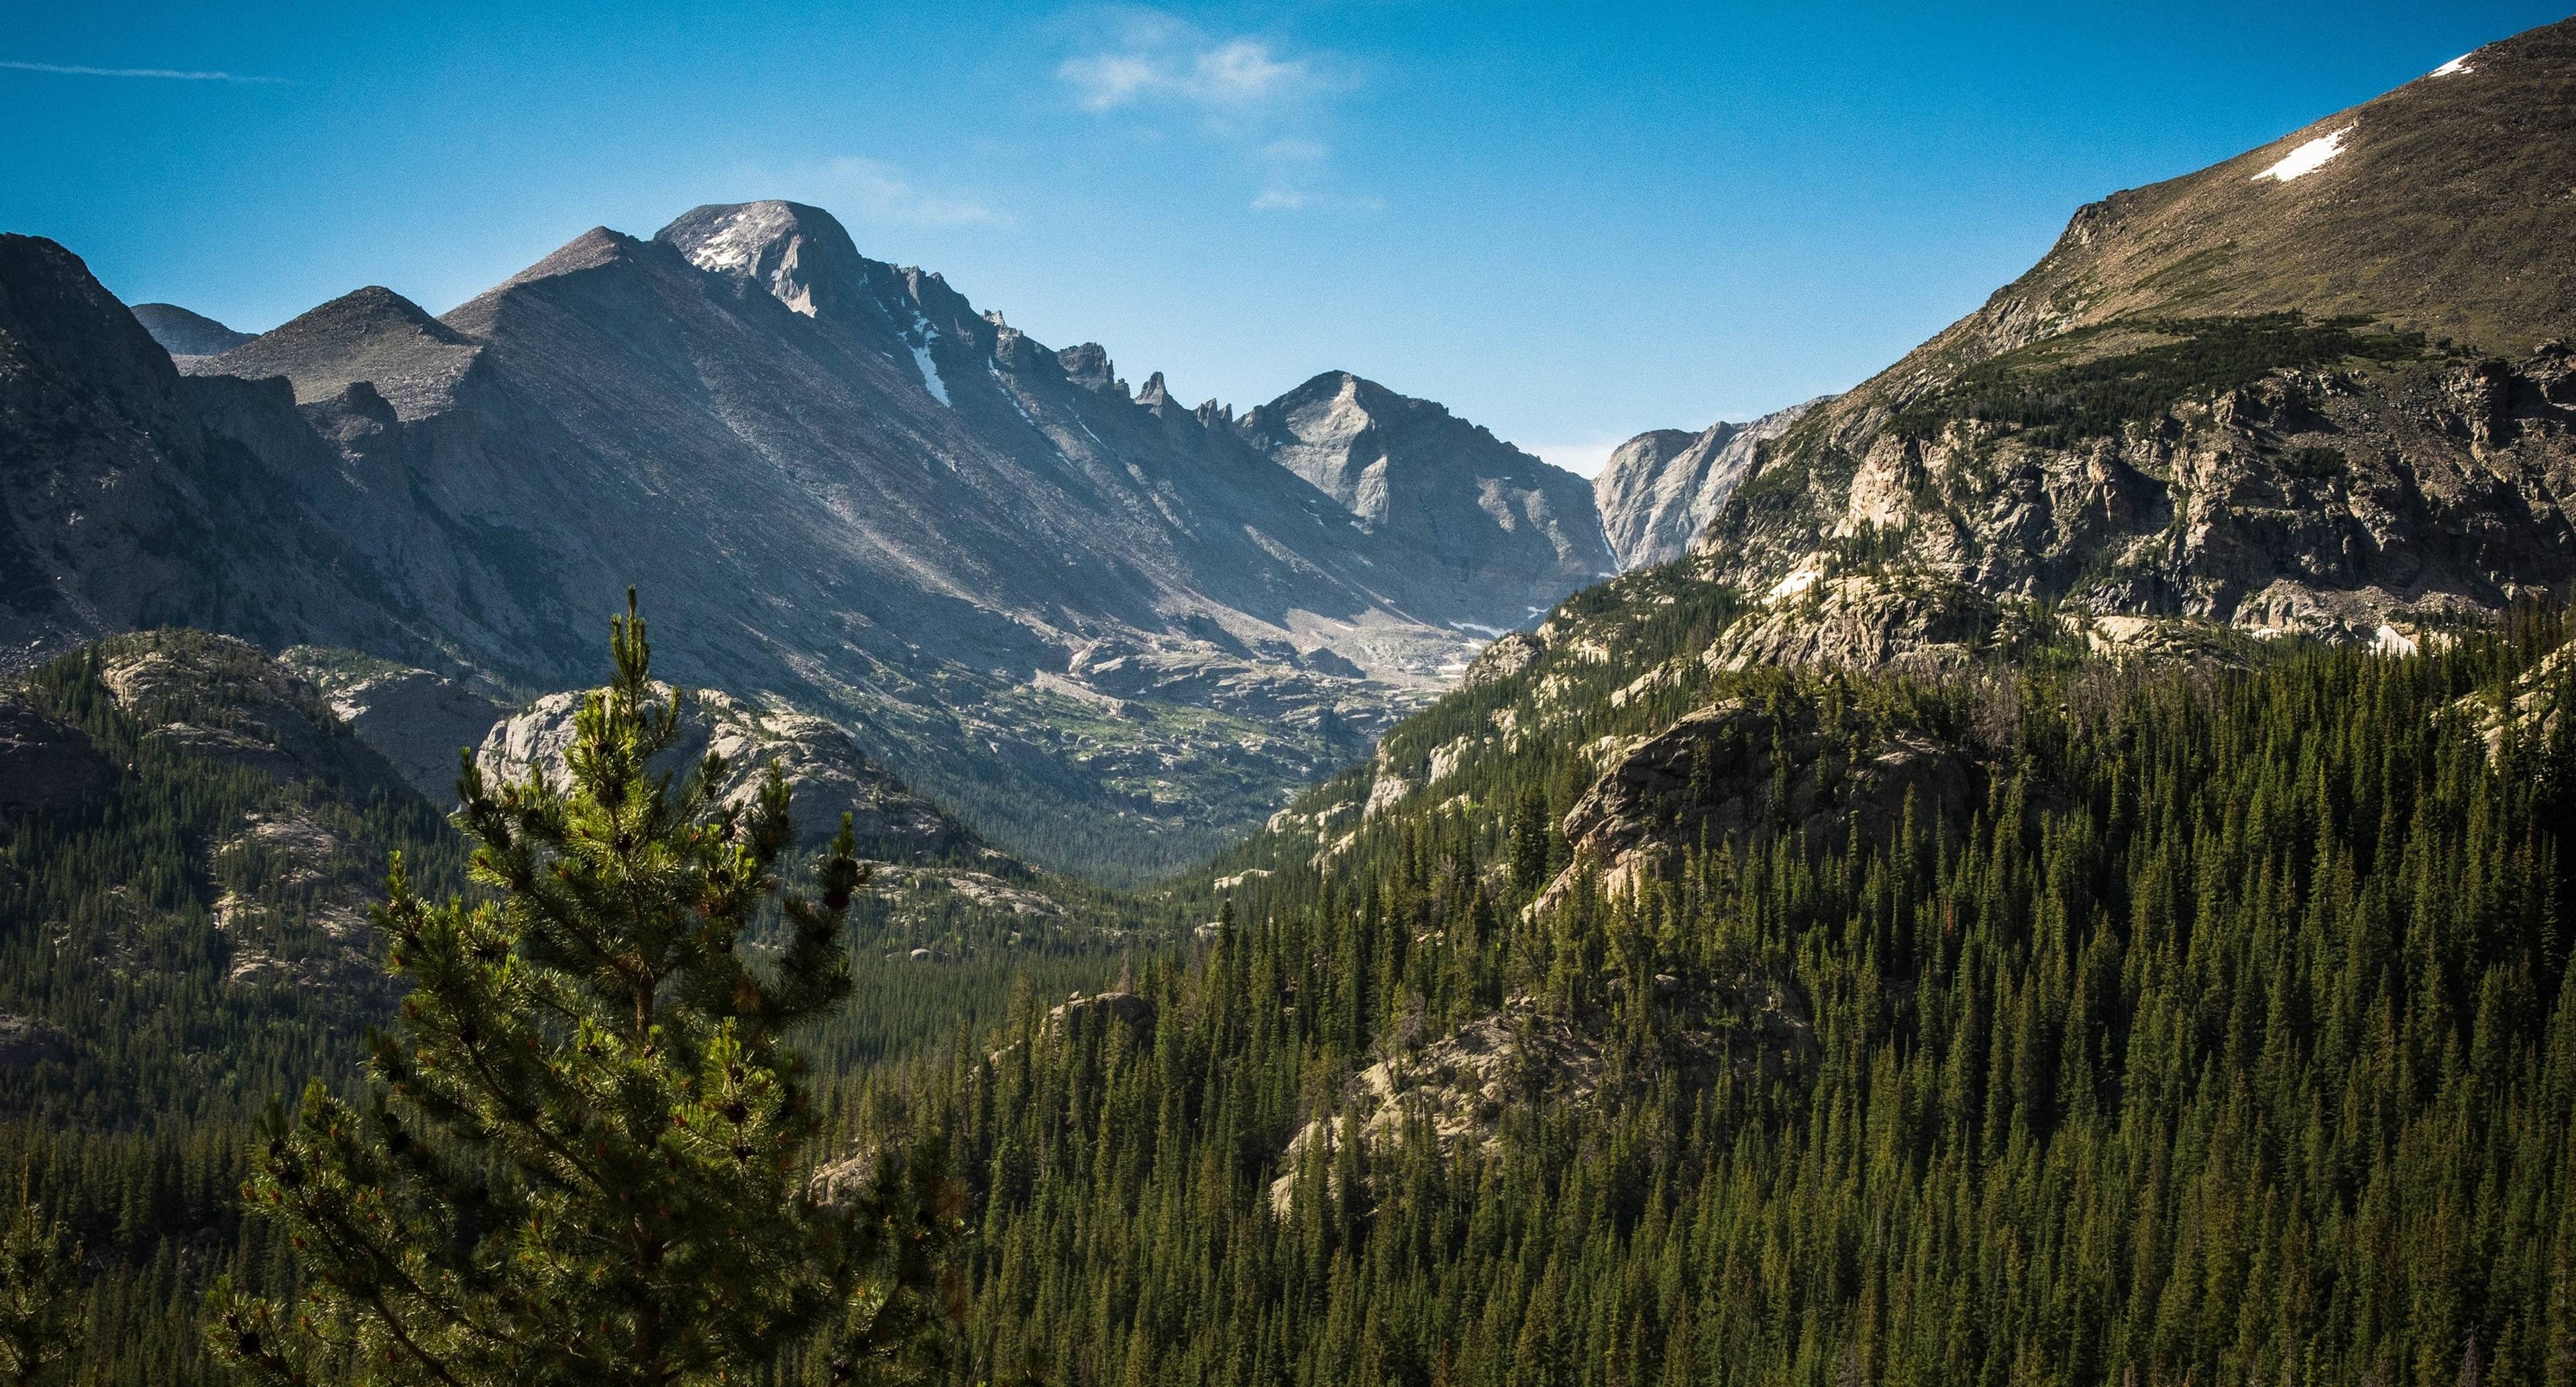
{"x": 2051, "y": 864}
{"x": 1111, "y": 629}
{"x": 1114, "y": 632}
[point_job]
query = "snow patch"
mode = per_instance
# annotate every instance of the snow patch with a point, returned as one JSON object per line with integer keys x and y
{"x": 2388, "y": 640}
{"x": 2307, "y": 158}
{"x": 2453, "y": 68}
{"x": 921, "y": 357}
{"x": 930, "y": 373}
{"x": 1488, "y": 632}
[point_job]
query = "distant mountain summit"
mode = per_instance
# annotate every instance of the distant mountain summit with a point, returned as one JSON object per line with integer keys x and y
{"x": 372, "y": 335}
{"x": 2323, "y": 388}
{"x": 1449, "y": 489}
{"x": 183, "y": 333}
{"x": 1110, "y": 629}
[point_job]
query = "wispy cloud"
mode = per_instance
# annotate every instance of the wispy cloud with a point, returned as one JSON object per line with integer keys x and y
{"x": 873, "y": 190}
{"x": 1258, "y": 96}
{"x": 164, "y": 73}
{"x": 1138, "y": 56}
{"x": 1287, "y": 197}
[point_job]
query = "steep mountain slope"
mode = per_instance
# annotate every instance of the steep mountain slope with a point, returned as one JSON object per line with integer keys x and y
{"x": 1661, "y": 488}
{"x": 1109, "y": 629}
{"x": 2322, "y": 387}
{"x": 184, "y": 333}
{"x": 135, "y": 497}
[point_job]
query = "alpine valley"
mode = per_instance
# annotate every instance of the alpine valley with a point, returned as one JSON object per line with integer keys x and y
{"x": 1111, "y": 630}
{"x": 2051, "y": 865}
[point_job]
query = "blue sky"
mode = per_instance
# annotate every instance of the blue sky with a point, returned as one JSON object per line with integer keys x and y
{"x": 1569, "y": 223}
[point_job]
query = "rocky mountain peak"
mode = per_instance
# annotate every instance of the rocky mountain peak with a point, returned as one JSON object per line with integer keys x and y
{"x": 1489, "y": 512}
{"x": 802, "y": 255}
{"x": 371, "y": 334}
{"x": 184, "y": 333}
{"x": 1087, "y": 364}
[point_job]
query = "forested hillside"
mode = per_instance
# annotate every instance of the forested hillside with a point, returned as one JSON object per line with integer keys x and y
{"x": 2218, "y": 1030}
{"x": 189, "y": 839}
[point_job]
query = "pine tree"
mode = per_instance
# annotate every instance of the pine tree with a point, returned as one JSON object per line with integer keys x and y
{"x": 584, "y": 1159}
{"x": 1529, "y": 830}
{"x": 41, "y": 1326}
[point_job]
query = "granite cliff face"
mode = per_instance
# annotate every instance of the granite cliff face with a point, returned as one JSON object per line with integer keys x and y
{"x": 2323, "y": 388}
{"x": 839, "y": 485}
{"x": 1660, "y": 489}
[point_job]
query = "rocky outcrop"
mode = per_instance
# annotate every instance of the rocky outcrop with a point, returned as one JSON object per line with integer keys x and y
{"x": 1131, "y": 1010}
{"x": 827, "y": 773}
{"x": 1752, "y": 767}
{"x": 2331, "y": 503}
{"x": 1662, "y": 488}
{"x": 1456, "y": 1089}
{"x": 223, "y": 699}
{"x": 285, "y": 873}
{"x": 2531, "y": 712}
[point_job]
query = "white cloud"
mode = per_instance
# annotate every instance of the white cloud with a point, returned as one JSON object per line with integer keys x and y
{"x": 1242, "y": 70}
{"x": 1170, "y": 61}
{"x": 1256, "y": 97}
{"x": 1282, "y": 197}
{"x": 170, "y": 74}
{"x": 873, "y": 190}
